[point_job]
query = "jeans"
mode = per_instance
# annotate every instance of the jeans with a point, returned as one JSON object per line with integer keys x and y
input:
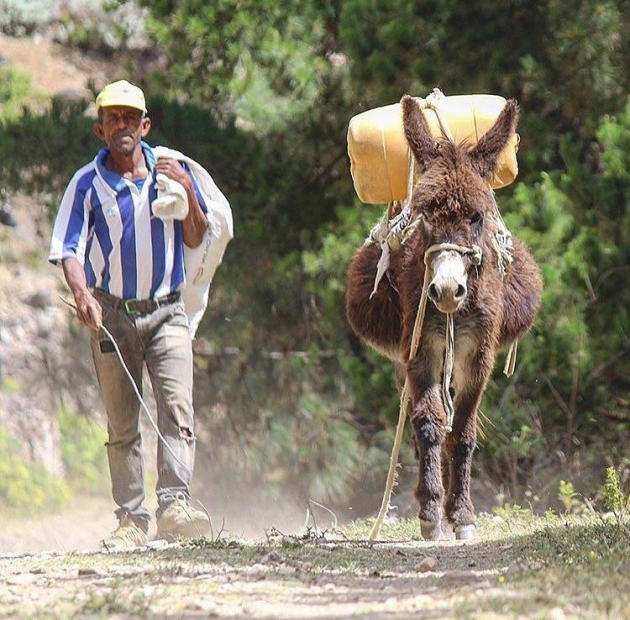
{"x": 161, "y": 339}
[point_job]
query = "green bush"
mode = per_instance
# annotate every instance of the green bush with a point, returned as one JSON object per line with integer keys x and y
{"x": 90, "y": 24}
{"x": 614, "y": 498}
{"x": 27, "y": 487}
{"x": 30, "y": 487}
{"x": 15, "y": 87}
{"x": 83, "y": 453}
{"x": 20, "y": 17}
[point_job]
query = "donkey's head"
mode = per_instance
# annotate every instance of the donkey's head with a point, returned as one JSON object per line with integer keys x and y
{"x": 454, "y": 199}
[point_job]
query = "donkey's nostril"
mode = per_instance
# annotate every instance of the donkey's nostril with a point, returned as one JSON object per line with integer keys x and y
{"x": 461, "y": 292}
{"x": 432, "y": 292}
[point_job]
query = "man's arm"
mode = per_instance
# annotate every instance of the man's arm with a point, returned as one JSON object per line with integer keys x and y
{"x": 196, "y": 223}
{"x": 89, "y": 311}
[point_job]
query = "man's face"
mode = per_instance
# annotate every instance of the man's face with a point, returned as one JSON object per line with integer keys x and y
{"x": 122, "y": 128}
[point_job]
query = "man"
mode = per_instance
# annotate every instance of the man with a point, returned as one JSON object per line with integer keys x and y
{"x": 125, "y": 268}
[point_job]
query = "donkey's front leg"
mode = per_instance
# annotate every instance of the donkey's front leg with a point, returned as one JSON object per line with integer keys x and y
{"x": 427, "y": 419}
{"x": 459, "y": 445}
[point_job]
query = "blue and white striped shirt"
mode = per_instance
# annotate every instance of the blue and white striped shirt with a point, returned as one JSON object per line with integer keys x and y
{"x": 106, "y": 222}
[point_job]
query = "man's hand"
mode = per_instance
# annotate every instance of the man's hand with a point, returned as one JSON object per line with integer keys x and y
{"x": 195, "y": 224}
{"x": 173, "y": 170}
{"x": 89, "y": 311}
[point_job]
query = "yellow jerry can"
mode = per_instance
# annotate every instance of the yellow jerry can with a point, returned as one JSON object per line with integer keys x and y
{"x": 379, "y": 154}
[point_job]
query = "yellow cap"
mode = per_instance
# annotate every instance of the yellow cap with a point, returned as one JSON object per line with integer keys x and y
{"x": 121, "y": 93}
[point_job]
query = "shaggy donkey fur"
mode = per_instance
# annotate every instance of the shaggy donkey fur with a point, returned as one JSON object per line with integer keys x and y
{"x": 454, "y": 204}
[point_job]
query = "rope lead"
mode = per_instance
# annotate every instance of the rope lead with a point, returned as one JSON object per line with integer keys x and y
{"x": 133, "y": 384}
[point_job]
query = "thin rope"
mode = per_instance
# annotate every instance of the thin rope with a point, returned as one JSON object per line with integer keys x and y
{"x": 135, "y": 387}
{"x": 410, "y": 179}
{"x": 393, "y": 463}
{"x": 433, "y": 101}
{"x": 449, "y": 360}
{"x": 510, "y": 361}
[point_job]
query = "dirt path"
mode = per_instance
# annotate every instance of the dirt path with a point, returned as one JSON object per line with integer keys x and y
{"x": 285, "y": 578}
{"x": 80, "y": 527}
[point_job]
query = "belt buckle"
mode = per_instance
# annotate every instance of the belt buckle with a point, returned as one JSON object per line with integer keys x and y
{"x": 128, "y": 309}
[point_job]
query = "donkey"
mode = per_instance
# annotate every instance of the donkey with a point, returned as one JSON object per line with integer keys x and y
{"x": 453, "y": 242}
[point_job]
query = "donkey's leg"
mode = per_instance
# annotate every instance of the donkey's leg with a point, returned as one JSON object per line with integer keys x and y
{"x": 459, "y": 448}
{"x": 427, "y": 419}
{"x": 470, "y": 382}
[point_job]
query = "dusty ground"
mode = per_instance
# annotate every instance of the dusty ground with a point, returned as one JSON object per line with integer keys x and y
{"x": 284, "y": 577}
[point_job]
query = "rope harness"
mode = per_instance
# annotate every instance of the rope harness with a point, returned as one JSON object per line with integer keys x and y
{"x": 390, "y": 233}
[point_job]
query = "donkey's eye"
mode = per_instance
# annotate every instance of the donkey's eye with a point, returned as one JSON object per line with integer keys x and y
{"x": 475, "y": 218}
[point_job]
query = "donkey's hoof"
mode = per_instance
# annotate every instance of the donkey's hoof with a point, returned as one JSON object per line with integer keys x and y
{"x": 465, "y": 532}
{"x": 431, "y": 530}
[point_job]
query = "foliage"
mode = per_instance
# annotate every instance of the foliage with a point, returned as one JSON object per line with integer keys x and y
{"x": 14, "y": 88}
{"x": 9, "y": 385}
{"x": 24, "y": 486}
{"x": 614, "y": 498}
{"x": 268, "y": 61}
{"x": 83, "y": 453}
{"x": 99, "y": 25}
{"x": 584, "y": 543}
{"x": 22, "y": 16}
{"x": 31, "y": 146}
{"x": 29, "y": 487}
{"x": 88, "y": 24}
{"x": 570, "y": 498}
{"x": 543, "y": 53}
{"x": 572, "y": 378}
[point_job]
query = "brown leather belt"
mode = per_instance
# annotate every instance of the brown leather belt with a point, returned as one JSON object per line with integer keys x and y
{"x": 137, "y": 306}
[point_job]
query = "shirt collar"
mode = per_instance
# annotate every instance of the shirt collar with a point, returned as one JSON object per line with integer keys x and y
{"x": 113, "y": 179}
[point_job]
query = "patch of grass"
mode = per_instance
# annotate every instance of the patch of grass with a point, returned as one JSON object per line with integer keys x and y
{"x": 578, "y": 564}
{"x": 394, "y": 529}
{"x": 10, "y": 385}
{"x": 581, "y": 543}
{"x": 122, "y": 598}
{"x": 505, "y": 521}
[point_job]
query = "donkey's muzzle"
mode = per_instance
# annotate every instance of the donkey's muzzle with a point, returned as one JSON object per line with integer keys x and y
{"x": 448, "y": 289}
{"x": 447, "y": 297}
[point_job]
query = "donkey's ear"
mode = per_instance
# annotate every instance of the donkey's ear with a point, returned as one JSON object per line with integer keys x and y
{"x": 417, "y": 133}
{"x": 485, "y": 153}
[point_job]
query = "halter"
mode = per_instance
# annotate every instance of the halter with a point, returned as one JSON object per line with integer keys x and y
{"x": 449, "y": 352}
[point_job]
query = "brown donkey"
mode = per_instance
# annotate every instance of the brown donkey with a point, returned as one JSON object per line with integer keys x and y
{"x": 490, "y": 295}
